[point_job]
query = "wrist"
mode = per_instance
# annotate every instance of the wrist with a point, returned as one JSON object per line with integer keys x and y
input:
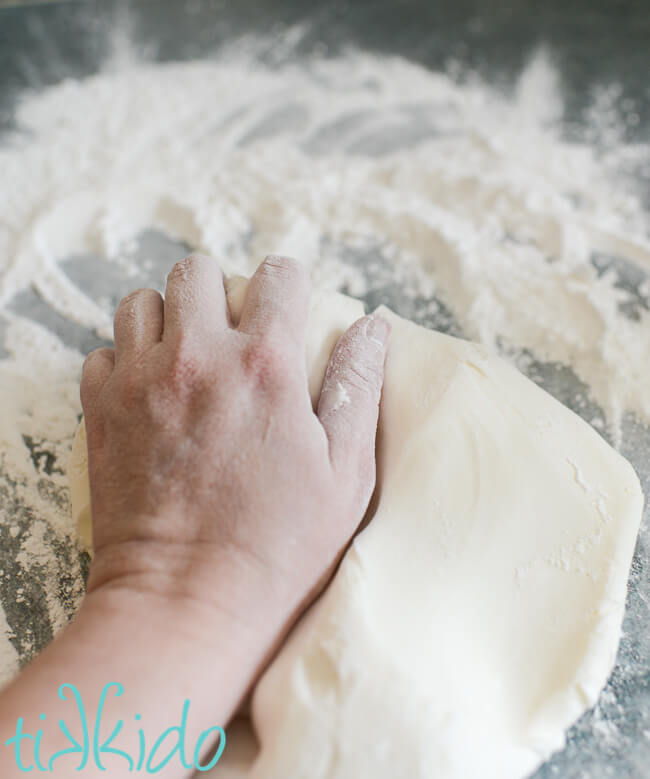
{"x": 129, "y": 659}
{"x": 215, "y": 599}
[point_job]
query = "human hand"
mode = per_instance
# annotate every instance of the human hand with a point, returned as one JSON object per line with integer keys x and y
{"x": 220, "y": 503}
{"x": 213, "y": 482}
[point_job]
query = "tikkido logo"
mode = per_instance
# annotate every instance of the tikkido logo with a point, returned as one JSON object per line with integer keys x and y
{"x": 95, "y": 750}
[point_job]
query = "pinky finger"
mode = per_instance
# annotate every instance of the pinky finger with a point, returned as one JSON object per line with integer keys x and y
{"x": 97, "y": 369}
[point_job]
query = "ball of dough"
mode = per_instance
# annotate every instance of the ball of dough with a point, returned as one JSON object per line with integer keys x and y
{"x": 478, "y": 615}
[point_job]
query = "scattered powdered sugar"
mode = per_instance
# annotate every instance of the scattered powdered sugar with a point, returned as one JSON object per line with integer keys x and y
{"x": 41, "y": 576}
{"x": 480, "y": 193}
{"x": 377, "y": 173}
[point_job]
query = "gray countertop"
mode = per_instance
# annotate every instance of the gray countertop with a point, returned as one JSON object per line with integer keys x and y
{"x": 592, "y": 42}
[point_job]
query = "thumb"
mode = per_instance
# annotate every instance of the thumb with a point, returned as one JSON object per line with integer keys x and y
{"x": 349, "y": 402}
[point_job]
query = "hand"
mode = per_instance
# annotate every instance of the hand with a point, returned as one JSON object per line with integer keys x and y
{"x": 213, "y": 482}
{"x": 220, "y": 504}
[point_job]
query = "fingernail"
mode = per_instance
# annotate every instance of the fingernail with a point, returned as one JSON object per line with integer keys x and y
{"x": 378, "y": 329}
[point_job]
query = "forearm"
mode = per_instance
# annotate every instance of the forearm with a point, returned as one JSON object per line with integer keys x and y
{"x": 162, "y": 655}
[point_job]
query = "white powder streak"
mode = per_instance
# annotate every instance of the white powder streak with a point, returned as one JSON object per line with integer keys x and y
{"x": 500, "y": 213}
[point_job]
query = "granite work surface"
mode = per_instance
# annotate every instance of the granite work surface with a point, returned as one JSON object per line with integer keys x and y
{"x": 42, "y": 43}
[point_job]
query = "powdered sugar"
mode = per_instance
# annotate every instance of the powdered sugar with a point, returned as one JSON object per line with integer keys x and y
{"x": 378, "y": 174}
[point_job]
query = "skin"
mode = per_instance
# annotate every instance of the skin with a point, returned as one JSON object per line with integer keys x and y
{"x": 221, "y": 505}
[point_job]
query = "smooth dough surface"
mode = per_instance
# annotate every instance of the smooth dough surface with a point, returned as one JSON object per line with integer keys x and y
{"x": 479, "y": 613}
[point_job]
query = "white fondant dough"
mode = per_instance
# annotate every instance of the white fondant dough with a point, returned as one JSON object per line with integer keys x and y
{"x": 479, "y": 613}
{"x": 80, "y": 486}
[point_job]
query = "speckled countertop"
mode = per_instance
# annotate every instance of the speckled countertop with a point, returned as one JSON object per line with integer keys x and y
{"x": 591, "y": 41}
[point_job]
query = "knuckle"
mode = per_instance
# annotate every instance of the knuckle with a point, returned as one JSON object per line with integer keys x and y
{"x": 279, "y": 266}
{"x": 186, "y": 367}
{"x": 366, "y": 376}
{"x": 121, "y": 395}
{"x": 265, "y": 363}
{"x": 94, "y": 357}
{"x": 187, "y": 265}
{"x": 130, "y": 300}
{"x": 127, "y": 391}
{"x": 181, "y": 268}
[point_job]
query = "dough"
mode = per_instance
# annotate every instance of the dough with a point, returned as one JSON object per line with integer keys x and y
{"x": 478, "y": 614}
